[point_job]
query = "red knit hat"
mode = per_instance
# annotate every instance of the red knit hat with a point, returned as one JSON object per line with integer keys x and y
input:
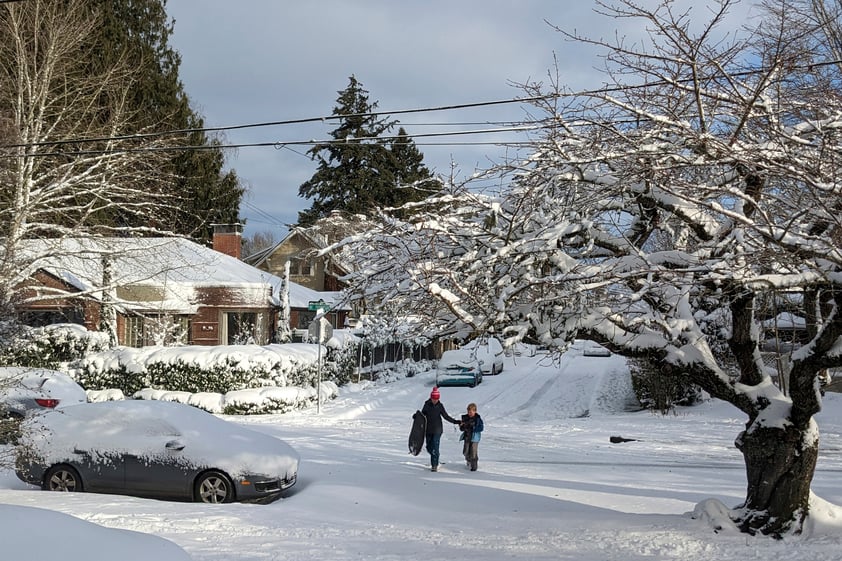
{"x": 435, "y": 394}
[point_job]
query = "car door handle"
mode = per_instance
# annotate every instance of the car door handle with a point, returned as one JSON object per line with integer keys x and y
{"x": 174, "y": 445}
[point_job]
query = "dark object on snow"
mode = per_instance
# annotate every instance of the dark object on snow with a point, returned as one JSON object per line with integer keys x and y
{"x": 416, "y": 435}
{"x": 618, "y": 439}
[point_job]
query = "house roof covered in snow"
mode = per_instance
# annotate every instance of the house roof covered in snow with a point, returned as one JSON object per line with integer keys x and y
{"x": 175, "y": 266}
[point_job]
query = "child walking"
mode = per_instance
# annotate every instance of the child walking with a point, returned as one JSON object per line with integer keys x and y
{"x": 471, "y": 426}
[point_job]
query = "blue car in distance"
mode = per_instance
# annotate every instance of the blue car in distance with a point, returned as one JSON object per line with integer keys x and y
{"x": 458, "y": 367}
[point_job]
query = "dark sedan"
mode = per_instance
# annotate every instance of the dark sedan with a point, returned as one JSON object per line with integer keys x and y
{"x": 153, "y": 449}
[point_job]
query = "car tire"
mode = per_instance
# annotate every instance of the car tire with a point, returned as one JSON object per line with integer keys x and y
{"x": 62, "y": 478}
{"x": 213, "y": 487}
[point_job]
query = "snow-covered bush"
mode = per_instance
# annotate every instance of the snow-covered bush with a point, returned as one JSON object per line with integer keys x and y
{"x": 189, "y": 377}
{"x": 194, "y": 369}
{"x": 95, "y": 396}
{"x": 343, "y": 361}
{"x": 256, "y": 401}
{"x": 272, "y": 400}
{"x": 51, "y": 346}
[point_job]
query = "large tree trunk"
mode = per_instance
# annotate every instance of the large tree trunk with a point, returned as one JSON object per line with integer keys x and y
{"x": 780, "y": 463}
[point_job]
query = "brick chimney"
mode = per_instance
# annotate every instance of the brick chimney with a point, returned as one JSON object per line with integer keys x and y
{"x": 228, "y": 239}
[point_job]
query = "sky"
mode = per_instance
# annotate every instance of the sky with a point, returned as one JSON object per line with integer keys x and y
{"x": 550, "y": 484}
{"x": 259, "y": 61}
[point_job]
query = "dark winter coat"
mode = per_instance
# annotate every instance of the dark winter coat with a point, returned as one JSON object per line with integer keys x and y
{"x": 472, "y": 427}
{"x": 434, "y": 413}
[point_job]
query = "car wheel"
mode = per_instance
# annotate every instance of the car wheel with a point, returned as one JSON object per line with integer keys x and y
{"x": 214, "y": 487}
{"x": 62, "y": 478}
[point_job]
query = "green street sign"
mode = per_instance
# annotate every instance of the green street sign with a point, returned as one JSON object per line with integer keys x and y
{"x": 314, "y": 305}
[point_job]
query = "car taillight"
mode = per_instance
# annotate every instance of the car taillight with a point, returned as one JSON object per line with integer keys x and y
{"x": 44, "y": 402}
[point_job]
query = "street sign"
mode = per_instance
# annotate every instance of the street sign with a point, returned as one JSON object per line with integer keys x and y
{"x": 320, "y": 330}
{"x": 314, "y": 305}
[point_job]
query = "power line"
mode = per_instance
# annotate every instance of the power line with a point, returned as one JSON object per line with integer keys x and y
{"x": 265, "y": 215}
{"x": 178, "y": 132}
{"x": 288, "y": 143}
{"x": 277, "y": 145}
{"x": 582, "y": 93}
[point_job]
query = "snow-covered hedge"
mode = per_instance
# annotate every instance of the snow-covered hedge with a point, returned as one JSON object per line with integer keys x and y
{"x": 193, "y": 369}
{"x": 51, "y": 346}
{"x": 254, "y": 401}
{"x": 231, "y": 379}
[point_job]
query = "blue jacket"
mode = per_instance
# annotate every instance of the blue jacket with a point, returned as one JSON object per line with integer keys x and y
{"x": 472, "y": 426}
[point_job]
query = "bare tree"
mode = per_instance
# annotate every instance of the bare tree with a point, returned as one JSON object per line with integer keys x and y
{"x": 655, "y": 215}
{"x": 259, "y": 241}
{"x": 71, "y": 162}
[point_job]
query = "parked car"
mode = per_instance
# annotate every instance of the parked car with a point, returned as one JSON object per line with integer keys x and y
{"x": 153, "y": 449}
{"x": 489, "y": 352}
{"x": 27, "y": 390}
{"x": 458, "y": 367}
{"x": 72, "y": 539}
{"x": 595, "y": 349}
{"x": 36, "y": 389}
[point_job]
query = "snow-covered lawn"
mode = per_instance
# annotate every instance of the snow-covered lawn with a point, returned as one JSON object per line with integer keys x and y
{"x": 550, "y": 485}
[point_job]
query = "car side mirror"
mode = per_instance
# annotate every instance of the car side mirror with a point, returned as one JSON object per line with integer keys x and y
{"x": 174, "y": 445}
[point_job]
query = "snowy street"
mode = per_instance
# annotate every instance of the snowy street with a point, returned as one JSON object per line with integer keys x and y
{"x": 550, "y": 485}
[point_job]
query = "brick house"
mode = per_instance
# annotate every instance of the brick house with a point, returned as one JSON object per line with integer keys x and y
{"x": 162, "y": 290}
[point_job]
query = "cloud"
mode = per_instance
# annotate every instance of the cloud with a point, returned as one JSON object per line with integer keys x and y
{"x": 263, "y": 60}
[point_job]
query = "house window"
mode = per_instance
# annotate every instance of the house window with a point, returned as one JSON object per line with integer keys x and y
{"x": 243, "y": 328}
{"x": 40, "y": 318}
{"x": 301, "y": 266}
{"x": 160, "y": 330}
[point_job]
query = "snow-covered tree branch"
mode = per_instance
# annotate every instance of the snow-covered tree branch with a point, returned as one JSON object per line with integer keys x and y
{"x": 665, "y": 215}
{"x": 71, "y": 162}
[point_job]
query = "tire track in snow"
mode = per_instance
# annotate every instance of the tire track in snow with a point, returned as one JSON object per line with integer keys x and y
{"x": 535, "y": 396}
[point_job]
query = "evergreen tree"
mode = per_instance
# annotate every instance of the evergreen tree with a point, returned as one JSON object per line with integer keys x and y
{"x": 415, "y": 181}
{"x": 362, "y": 170}
{"x": 138, "y": 31}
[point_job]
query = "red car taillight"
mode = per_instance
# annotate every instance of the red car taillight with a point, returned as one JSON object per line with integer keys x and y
{"x": 49, "y": 403}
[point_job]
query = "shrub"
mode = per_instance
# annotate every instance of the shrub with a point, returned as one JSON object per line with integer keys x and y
{"x": 662, "y": 387}
{"x": 52, "y": 346}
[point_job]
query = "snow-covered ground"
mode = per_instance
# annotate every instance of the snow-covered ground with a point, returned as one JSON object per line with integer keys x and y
{"x": 550, "y": 485}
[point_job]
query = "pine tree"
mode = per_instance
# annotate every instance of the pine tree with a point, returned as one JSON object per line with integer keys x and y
{"x": 363, "y": 169}
{"x": 138, "y": 31}
{"x": 415, "y": 181}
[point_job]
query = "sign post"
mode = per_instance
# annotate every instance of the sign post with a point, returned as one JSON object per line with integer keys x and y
{"x": 321, "y": 331}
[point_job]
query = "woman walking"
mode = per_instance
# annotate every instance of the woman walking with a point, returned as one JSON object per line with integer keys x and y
{"x": 434, "y": 411}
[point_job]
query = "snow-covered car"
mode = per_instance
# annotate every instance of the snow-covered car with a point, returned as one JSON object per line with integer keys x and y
{"x": 153, "y": 449}
{"x": 595, "y": 349}
{"x": 25, "y": 390}
{"x": 458, "y": 367}
{"x": 72, "y": 539}
{"x": 489, "y": 353}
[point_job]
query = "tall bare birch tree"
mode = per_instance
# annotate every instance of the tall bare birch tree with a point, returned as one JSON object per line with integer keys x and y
{"x": 69, "y": 153}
